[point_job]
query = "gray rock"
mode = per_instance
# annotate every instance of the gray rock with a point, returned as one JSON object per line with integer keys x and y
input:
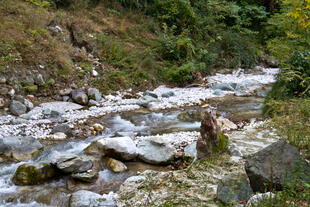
{"x": 190, "y": 150}
{"x": 18, "y": 148}
{"x": 66, "y": 98}
{"x": 17, "y": 108}
{"x": 84, "y": 198}
{"x": 79, "y": 97}
{"x": 56, "y": 114}
{"x": 168, "y": 94}
{"x": 73, "y": 163}
{"x": 28, "y": 81}
{"x": 64, "y": 128}
{"x": 60, "y": 106}
{"x": 2, "y": 102}
{"x": 115, "y": 165}
{"x": 223, "y": 86}
{"x": 47, "y": 111}
{"x": 28, "y": 104}
{"x": 234, "y": 150}
{"x": 65, "y": 92}
{"x": 89, "y": 176}
{"x": 39, "y": 80}
{"x": 218, "y": 92}
{"x": 156, "y": 150}
{"x": 255, "y": 199}
{"x": 122, "y": 148}
{"x": 12, "y": 92}
{"x": 94, "y": 94}
{"x": 233, "y": 188}
{"x": 125, "y": 134}
{"x": 92, "y": 102}
{"x": 33, "y": 174}
{"x": 145, "y": 100}
{"x": 281, "y": 160}
{"x": 149, "y": 93}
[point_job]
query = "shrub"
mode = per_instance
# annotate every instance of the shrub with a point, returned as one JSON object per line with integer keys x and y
{"x": 182, "y": 75}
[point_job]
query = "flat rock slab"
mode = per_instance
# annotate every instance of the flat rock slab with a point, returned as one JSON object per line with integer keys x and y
{"x": 61, "y": 106}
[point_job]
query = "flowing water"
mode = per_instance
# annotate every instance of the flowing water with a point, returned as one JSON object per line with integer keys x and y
{"x": 133, "y": 123}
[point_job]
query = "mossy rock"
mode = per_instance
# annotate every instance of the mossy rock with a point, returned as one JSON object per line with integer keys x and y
{"x": 31, "y": 89}
{"x": 33, "y": 174}
{"x": 222, "y": 145}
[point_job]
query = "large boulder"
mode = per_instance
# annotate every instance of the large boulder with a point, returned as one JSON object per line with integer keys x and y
{"x": 18, "y": 148}
{"x": 233, "y": 188}
{"x": 211, "y": 141}
{"x": 84, "y": 198}
{"x": 122, "y": 148}
{"x": 33, "y": 174}
{"x": 17, "y": 108}
{"x": 94, "y": 94}
{"x": 278, "y": 164}
{"x": 156, "y": 150}
{"x": 70, "y": 163}
{"x": 79, "y": 97}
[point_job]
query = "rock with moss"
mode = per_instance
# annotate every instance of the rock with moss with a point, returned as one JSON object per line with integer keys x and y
{"x": 33, "y": 174}
{"x": 234, "y": 188}
{"x": 115, "y": 165}
{"x": 211, "y": 140}
{"x": 79, "y": 97}
{"x": 19, "y": 148}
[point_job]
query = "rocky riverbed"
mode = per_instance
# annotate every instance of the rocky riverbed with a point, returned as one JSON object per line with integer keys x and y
{"x": 155, "y": 129}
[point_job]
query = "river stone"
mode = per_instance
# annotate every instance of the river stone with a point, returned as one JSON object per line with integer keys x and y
{"x": 168, "y": 94}
{"x": 33, "y": 174}
{"x": 122, "y": 148}
{"x": 156, "y": 150}
{"x": 145, "y": 100}
{"x": 17, "y": 108}
{"x": 84, "y": 198}
{"x": 233, "y": 188}
{"x": 79, "y": 97}
{"x": 115, "y": 165}
{"x": 94, "y": 94}
{"x": 149, "y": 93}
{"x": 89, "y": 176}
{"x": 64, "y": 128}
{"x": 18, "y": 148}
{"x": 282, "y": 161}
{"x": 70, "y": 163}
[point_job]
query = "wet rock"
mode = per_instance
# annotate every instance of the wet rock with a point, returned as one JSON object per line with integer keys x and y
{"x": 79, "y": 97}
{"x": 156, "y": 150}
{"x": 115, "y": 165}
{"x": 65, "y": 92}
{"x": 18, "y": 148}
{"x": 233, "y": 188}
{"x": 33, "y": 174}
{"x": 94, "y": 94}
{"x": 70, "y": 163}
{"x": 145, "y": 100}
{"x": 149, "y": 93}
{"x": 281, "y": 160}
{"x": 168, "y": 94}
{"x": 255, "y": 199}
{"x": 191, "y": 116}
{"x": 84, "y": 198}
{"x": 210, "y": 141}
{"x": 17, "y": 108}
{"x": 64, "y": 128}
{"x": 98, "y": 127}
{"x": 224, "y": 86}
{"x": 89, "y": 176}
{"x": 122, "y": 148}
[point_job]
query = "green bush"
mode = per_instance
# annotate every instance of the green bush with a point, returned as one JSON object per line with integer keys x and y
{"x": 182, "y": 75}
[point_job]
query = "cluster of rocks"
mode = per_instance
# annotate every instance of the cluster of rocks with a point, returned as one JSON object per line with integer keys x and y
{"x": 275, "y": 166}
{"x": 92, "y": 97}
